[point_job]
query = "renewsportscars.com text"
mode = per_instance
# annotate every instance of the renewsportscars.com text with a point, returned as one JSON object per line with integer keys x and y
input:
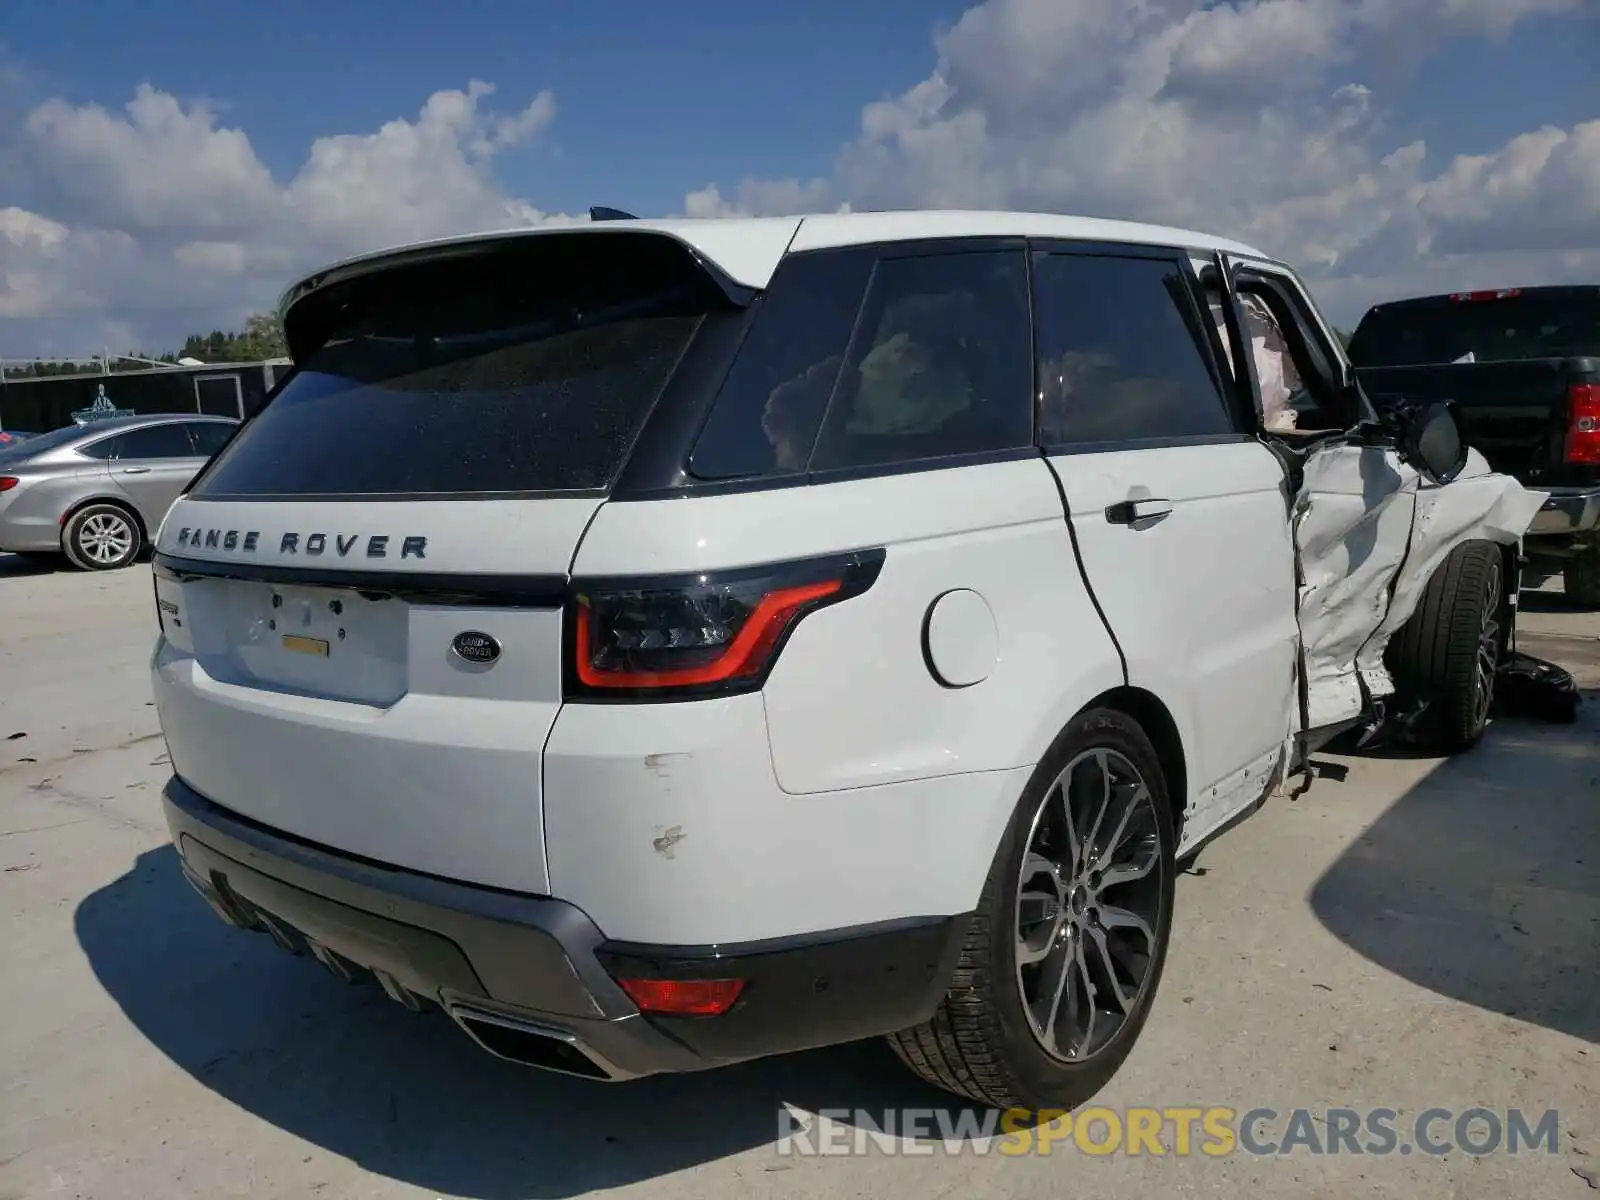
{"x": 1211, "y": 1132}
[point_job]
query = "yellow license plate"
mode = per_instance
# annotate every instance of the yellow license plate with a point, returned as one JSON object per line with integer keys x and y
{"x": 305, "y": 645}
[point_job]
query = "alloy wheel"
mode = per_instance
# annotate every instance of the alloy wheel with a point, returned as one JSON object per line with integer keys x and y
{"x": 1089, "y": 905}
{"x": 105, "y": 538}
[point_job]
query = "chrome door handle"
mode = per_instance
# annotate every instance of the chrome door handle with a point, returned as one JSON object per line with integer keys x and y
{"x": 136, "y": 470}
{"x": 1130, "y": 512}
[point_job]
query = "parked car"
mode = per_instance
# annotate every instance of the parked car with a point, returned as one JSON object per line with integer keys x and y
{"x": 1523, "y": 364}
{"x": 97, "y": 492}
{"x": 764, "y": 634}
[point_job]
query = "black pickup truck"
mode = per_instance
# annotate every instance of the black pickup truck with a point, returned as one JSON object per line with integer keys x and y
{"x": 1523, "y": 365}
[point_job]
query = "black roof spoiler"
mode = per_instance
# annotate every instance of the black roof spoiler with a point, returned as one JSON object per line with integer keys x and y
{"x": 599, "y": 212}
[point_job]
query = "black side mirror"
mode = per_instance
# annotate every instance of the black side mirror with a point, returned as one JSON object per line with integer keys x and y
{"x": 1433, "y": 443}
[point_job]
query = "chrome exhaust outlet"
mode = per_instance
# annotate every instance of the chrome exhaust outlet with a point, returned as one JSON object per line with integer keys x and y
{"x": 530, "y": 1044}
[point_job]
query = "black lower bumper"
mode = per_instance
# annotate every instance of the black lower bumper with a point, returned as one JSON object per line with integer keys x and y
{"x": 532, "y": 979}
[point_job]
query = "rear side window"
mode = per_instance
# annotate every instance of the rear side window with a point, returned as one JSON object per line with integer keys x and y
{"x": 940, "y": 363}
{"x": 209, "y": 437}
{"x": 1120, "y": 357}
{"x": 156, "y": 441}
{"x": 767, "y": 413}
{"x": 524, "y": 370}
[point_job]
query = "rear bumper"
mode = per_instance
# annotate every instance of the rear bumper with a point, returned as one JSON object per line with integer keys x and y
{"x": 533, "y": 979}
{"x": 28, "y": 535}
{"x": 1568, "y": 512}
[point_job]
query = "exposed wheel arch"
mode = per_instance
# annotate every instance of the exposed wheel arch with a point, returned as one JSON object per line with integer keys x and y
{"x": 1156, "y": 720}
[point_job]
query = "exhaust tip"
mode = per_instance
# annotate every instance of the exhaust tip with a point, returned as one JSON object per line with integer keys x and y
{"x": 528, "y": 1044}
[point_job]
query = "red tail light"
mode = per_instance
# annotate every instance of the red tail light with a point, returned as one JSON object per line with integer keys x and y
{"x": 1502, "y": 294}
{"x": 1583, "y": 427}
{"x": 7, "y": 482}
{"x": 699, "y": 635}
{"x": 683, "y": 997}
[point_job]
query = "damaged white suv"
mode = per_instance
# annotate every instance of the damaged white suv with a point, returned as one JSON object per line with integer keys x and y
{"x": 666, "y": 644}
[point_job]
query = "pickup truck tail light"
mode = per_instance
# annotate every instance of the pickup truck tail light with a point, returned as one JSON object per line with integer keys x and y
{"x": 701, "y": 635}
{"x": 1583, "y": 429}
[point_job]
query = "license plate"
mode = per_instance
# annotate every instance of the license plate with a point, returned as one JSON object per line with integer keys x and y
{"x": 305, "y": 645}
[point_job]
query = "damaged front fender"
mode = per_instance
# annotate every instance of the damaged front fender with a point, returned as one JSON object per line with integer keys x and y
{"x": 1369, "y": 533}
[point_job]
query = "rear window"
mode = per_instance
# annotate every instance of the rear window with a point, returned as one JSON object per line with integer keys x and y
{"x": 1447, "y": 331}
{"x": 526, "y": 370}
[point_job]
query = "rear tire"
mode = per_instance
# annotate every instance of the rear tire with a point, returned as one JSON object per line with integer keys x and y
{"x": 1448, "y": 652}
{"x": 1581, "y": 577}
{"x": 1061, "y": 961}
{"x": 102, "y": 537}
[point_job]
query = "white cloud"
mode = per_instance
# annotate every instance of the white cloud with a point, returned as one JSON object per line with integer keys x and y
{"x": 156, "y": 221}
{"x": 1261, "y": 119}
{"x": 1267, "y": 120}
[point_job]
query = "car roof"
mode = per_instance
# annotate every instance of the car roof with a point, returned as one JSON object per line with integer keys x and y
{"x": 138, "y": 420}
{"x": 748, "y": 249}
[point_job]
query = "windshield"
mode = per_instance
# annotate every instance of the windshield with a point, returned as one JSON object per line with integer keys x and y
{"x": 491, "y": 378}
{"x": 28, "y": 447}
{"x": 1445, "y": 331}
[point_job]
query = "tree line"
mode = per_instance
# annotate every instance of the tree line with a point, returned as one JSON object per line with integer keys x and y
{"x": 261, "y": 337}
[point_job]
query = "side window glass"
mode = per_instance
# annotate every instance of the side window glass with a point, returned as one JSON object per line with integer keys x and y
{"x": 209, "y": 437}
{"x": 156, "y": 441}
{"x": 766, "y": 414}
{"x": 1120, "y": 352}
{"x": 105, "y": 448}
{"x": 940, "y": 363}
{"x": 1295, "y": 395}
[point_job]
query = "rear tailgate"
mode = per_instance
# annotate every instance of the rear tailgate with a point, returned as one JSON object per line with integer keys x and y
{"x": 331, "y": 704}
{"x": 1514, "y": 413}
{"x": 361, "y": 597}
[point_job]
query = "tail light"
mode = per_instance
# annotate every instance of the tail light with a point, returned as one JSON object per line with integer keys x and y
{"x": 698, "y": 635}
{"x": 1583, "y": 428}
{"x": 7, "y": 482}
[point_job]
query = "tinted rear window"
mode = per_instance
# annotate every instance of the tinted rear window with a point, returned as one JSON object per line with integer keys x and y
{"x": 1517, "y": 327}
{"x": 525, "y": 371}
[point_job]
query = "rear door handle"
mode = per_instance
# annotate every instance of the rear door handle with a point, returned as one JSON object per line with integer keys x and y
{"x": 136, "y": 470}
{"x": 1130, "y": 512}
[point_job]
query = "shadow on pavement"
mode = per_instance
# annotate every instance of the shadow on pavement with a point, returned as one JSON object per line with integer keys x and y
{"x": 1482, "y": 883}
{"x": 17, "y": 565}
{"x": 1550, "y": 602}
{"x": 409, "y": 1096}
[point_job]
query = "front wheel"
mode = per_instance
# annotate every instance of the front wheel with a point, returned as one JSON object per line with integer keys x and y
{"x": 1448, "y": 652}
{"x": 101, "y": 537}
{"x": 1065, "y": 951}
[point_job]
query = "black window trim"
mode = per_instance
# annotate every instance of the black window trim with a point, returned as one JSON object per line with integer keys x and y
{"x": 1326, "y": 367}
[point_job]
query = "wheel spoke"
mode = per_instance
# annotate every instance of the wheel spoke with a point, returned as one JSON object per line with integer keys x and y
{"x": 1060, "y": 971}
{"x": 1074, "y": 843}
{"x": 1085, "y": 1013}
{"x": 1112, "y": 917}
{"x": 1131, "y": 871}
{"x": 1101, "y": 762}
{"x": 1114, "y": 842}
{"x": 1122, "y": 997}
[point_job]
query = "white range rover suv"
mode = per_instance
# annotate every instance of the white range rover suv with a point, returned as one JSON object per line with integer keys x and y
{"x": 666, "y": 644}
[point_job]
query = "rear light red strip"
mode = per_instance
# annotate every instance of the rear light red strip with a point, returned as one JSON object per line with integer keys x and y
{"x": 745, "y": 655}
{"x": 1583, "y": 427}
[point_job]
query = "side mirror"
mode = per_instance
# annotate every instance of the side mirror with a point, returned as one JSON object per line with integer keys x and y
{"x": 1432, "y": 442}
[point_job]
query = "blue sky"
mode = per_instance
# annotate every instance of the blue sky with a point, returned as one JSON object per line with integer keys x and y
{"x": 1247, "y": 131}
